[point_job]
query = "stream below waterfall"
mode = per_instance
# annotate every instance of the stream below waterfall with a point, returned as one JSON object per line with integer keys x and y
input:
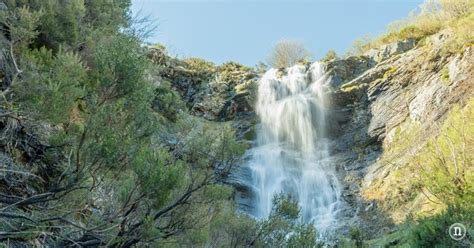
{"x": 290, "y": 154}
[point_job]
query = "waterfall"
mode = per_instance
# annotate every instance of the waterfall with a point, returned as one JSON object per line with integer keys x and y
{"x": 291, "y": 151}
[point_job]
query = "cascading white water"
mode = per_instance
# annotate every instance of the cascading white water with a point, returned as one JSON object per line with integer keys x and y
{"x": 291, "y": 153}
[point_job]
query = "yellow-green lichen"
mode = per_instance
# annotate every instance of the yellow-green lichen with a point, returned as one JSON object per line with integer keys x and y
{"x": 390, "y": 72}
{"x": 350, "y": 87}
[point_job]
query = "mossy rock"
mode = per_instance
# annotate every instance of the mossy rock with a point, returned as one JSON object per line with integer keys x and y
{"x": 352, "y": 87}
{"x": 251, "y": 134}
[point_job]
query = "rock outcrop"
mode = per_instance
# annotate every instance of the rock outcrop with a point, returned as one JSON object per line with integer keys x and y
{"x": 373, "y": 96}
{"x": 389, "y": 50}
{"x": 376, "y": 96}
{"x": 216, "y": 93}
{"x": 379, "y": 94}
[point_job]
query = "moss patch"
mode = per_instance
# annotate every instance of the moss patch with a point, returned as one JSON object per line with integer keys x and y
{"x": 351, "y": 87}
{"x": 444, "y": 75}
{"x": 390, "y": 72}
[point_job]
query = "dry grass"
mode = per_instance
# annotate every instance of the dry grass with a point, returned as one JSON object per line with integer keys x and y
{"x": 432, "y": 17}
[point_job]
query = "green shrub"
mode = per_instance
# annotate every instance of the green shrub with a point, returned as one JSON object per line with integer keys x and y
{"x": 283, "y": 228}
{"x": 444, "y": 75}
{"x": 427, "y": 174}
{"x": 356, "y": 235}
{"x": 168, "y": 102}
{"x": 197, "y": 64}
{"x": 51, "y": 85}
{"x": 22, "y": 23}
{"x": 433, "y": 231}
{"x": 119, "y": 67}
{"x": 447, "y": 162}
{"x": 200, "y": 70}
{"x": 68, "y": 23}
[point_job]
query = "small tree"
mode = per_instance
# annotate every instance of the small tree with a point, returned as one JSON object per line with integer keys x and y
{"x": 286, "y": 53}
{"x": 330, "y": 55}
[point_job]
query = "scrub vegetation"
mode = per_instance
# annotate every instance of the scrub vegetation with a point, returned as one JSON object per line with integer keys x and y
{"x": 433, "y": 16}
{"x": 95, "y": 151}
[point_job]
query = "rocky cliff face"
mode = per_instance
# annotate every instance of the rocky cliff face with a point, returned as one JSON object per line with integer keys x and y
{"x": 393, "y": 90}
{"x": 378, "y": 96}
{"x": 401, "y": 89}
{"x": 216, "y": 93}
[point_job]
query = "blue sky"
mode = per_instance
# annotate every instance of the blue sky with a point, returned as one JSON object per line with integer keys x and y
{"x": 244, "y": 30}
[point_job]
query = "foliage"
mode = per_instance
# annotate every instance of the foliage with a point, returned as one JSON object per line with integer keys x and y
{"x": 427, "y": 173}
{"x": 232, "y": 71}
{"x": 167, "y": 102}
{"x": 238, "y": 76}
{"x": 96, "y": 151}
{"x": 462, "y": 33}
{"x": 286, "y": 53}
{"x": 350, "y": 87}
{"x": 356, "y": 235}
{"x": 433, "y": 231}
{"x": 119, "y": 68}
{"x": 261, "y": 68}
{"x": 197, "y": 64}
{"x": 200, "y": 69}
{"x": 330, "y": 55}
{"x": 68, "y": 23}
{"x": 447, "y": 162}
{"x": 22, "y": 23}
{"x": 359, "y": 46}
{"x": 51, "y": 85}
{"x": 388, "y": 73}
{"x": 100, "y": 154}
{"x": 433, "y": 16}
{"x": 444, "y": 75}
{"x": 104, "y": 14}
{"x": 283, "y": 228}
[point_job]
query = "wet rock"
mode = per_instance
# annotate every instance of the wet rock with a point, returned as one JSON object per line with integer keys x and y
{"x": 243, "y": 195}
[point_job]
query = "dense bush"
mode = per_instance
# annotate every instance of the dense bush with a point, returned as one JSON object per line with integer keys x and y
{"x": 447, "y": 162}
{"x": 51, "y": 84}
{"x": 67, "y": 23}
{"x": 100, "y": 151}
{"x": 283, "y": 228}
{"x": 433, "y": 231}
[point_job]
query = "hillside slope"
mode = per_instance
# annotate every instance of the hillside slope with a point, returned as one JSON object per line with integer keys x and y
{"x": 107, "y": 142}
{"x": 388, "y": 122}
